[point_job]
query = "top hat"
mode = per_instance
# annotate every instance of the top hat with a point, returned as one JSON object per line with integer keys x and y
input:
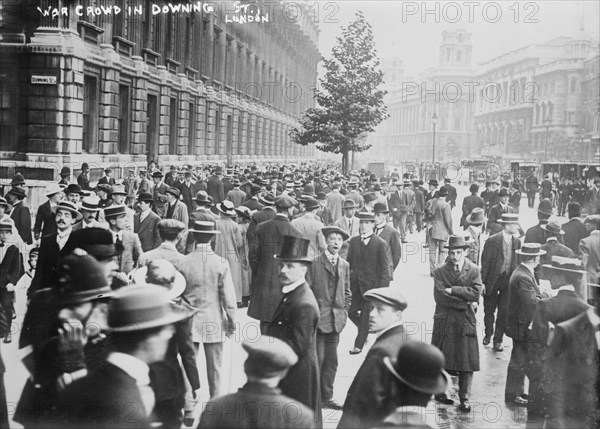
{"x": 226, "y": 207}
{"x": 420, "y": 366}
{"x": 285, "y": 202}
{"x": 268, "y": 357}
{"x": 553, "y": 227}
{"x": 202, "y": 198}
{"x": 146, "y": 197}
{"x": 73, "y": 188}
{"x": 90, "y": 204}
{"x": 244, "y": 212}
{"x": 387, "y": 295}
{"x": 136, "y": 308}
{"x": 509, "y": 218}
{"x": 311, "y": 204}
{"x": 98, "y": 242}
{"x": 173, "y": 191}
{"x": 115, "y": 210}
{"x": 51, "y": 189}
{"x": 118, "y": 190}
{"x": 365, "y": 216}
{"x": 268, "y": 199}
{"x": 457, "y": 242}
{"x": 531, "y": 249}
{"x": 161, "y": 272}
{"x": 18, "y": 192}
{"x": 294, "y": 249}
{"x": 567, "y": 265}
{"x": 204, "y": 227}
{"x": 545, "y": 207}
{"x": 79, "y": 279}
{"x": 370, "y": 196}
{"x": 476, "y": 216}
{"x": 334, "y": 229}
{"x": 70, "y": 207}
{"x": 65, "y": 171}
{"x": 380, "y": 208}
{"x": 17, "y": 179}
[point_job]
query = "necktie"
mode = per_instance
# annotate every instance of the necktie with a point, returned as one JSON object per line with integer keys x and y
{"x": 1, "y": 244}
{"x": 119, "y": 243}
{"x": 333, "y": 260}
{"x": 379, "y": 231}
{"x": 456, "y": 269}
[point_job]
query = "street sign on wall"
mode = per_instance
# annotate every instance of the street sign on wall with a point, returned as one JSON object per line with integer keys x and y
{"x": 43, "y": 80}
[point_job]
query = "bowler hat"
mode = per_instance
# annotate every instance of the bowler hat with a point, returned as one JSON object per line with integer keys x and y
{"x": 545, "y": 207}
{"x": 365, "y": 216}
{"x": 227, "y": 208}
{"x": 334, "y": 229}
{"x": 377, "y": 187}
{"x": 294, "y": 249}
{"x": 136, "y": 308}
{"x": 456, "y": 242}
{"x": 90, "y": 204}
{"x": 51, "y": 189}
{"x": 503, "y": 193}
{"x": 420, "y": 366}
{"x": 268, "y": 199}
{"x": 476, "y": 217}
{"x": 509, "y": 218}
{"x": 387, "y": 295}
{"x": 268, "y": 357}
{"x": 203, "y": 227}
{"x": 4, "y": 203}
{"x": 73, "y": 188}
{"x": 173, "y": 191}
{"x": 104, "y": 187}
{"x": 98, "y": 242}
{"x": 380, "y": 208}
{"x": 442, "y": 192}
{"x": 202, "y": 197}
{"x": 65, "y": 171}
{"x": 115, "y": 210}
{"x": 370, "y": 196}
{"x": 321, "y": 195}
{"x": 433, "y": 182}
{"x": 118, "y": 190}
{"x": 311, "y": 204}
{"x": 161, "y": 272}
{"x": 17, "y": 179}
{"x": 553, "y": 227}
{"x": 157, "y": 174}
{"x": 18, "y": 192}
{"x": 146, "y": 197}
{"x": 531, "y": 249}
{"x": 6, "y": 224}
{"x": 68, "y": 206}
{"x": 285, "y": 202}
{"x": 79, "y": 279}
{"x": 568, "y": 265}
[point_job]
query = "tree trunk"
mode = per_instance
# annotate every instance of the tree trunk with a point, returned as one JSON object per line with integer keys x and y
{"x": 352, "y": 164}
{"x": 345, "y": 162}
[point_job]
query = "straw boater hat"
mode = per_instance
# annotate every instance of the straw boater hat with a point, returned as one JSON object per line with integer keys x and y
{"x": 294, "y": 249}
{"x": 566, "y": 265}
{"x": 244, "y": 212}
{"x": 509, "y": 218}
{"x": 227, "y": 208}
{"x": 531, "y": 249}
{"x": 90, "y": 204}
{"x": 70, "y": 207}
{"x": 456, "y": 242}
{"x": 203, "y": 227}
{"x": 162, "y": 273}
{"x": 268, "y": 199}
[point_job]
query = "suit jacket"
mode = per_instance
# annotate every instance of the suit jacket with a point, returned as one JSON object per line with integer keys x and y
{"x": 257, "y": 218}
{"x": 469, "y": 203}
{"x": 160, "y": 198}
{"x": 440, "y": 220}
{"x": 198, "y": 215}
{"x": 214, "y": 188}
{"x": 515, "y": 201}
{"x": 369, "y": 265}
{"x": 370, "y": 397}
{"x": 106, "y": 398}
{"x": 492, "y": 260}
{"x": 132, "y": 249}
{"x": 554, "y": 248}
{"x": 218, "y": 415}
{"x": 391, "y": 236}
{"x": 188, "y": 193}
{"x": 236, "y": 196}
{"x": 495, "y": 215}
{"x": 83, "y": 182}
{"x": 147, "y": 230}
{"x": 22, "y": 218}
{"x": 335, "y": 202}
{"x": 536, "y": 234}
{"x": 331, "y": 286}
{"x": 253, "y": 204}
{"x": 11, "y": 266}
{"x": 164, "y": 251}
{"x": 266, "y": 287}
{"x": 575, "y": 231}
{"x": 44, "y": 221}
{"x": 48, "y": 259}
{"x": 589, "y": 251}
{"x": 180, "y": 212}
{"x": 295, "y": 321}
{"x": 325, "y": 216}
{"x": 451, "y": 197}
{"x": 419, "y": 200}
{"x": 352, "y": 231}
{"x": 523, "y": 296}
{"x": 310, "y": 227}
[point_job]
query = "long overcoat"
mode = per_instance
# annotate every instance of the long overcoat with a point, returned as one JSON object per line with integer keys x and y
{"x": 229, "y": 245}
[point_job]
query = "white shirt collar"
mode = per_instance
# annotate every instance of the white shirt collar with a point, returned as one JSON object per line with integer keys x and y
{"x": 593, "y": 317}
{"x": 551, "y": 239}
{"x": 393, "y": 325}
{"x": 291, "y": 287}
{"x": 366, "y": 237}
{"x": 134, "y": 367}
{"x": 567, "y": 287}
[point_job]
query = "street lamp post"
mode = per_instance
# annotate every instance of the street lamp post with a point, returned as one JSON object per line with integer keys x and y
{"x": 434, "y": 119}
{"x": 547, "y": 123}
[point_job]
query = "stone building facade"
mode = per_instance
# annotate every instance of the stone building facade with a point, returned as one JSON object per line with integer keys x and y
{"x": 188, "y": 86}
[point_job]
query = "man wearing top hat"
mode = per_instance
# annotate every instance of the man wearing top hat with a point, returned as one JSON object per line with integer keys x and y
{"x": 418, "y": 372}
{"x": 498, "y": 261}
{"x": 127, "y": 242}
{"x": 66, "y": 214}
{"x": 536, "y": 234}
{"x": 145, "y": 223}
{"x": 564, "y": 274}
{"x": 266, "y": 288}
{"x": 159, "y": 194}
{"x": 89, "y": 211}
{"x": 493, "y": 226}
{"x": 389, "y": 234}
{"x": 574, "y": 229}
{"x": 107, "y": 179}
{"x": 457, "y": 287}
{"x": 523, "y": 296}
{"x": 20, "y": 213}
{"x": 269, "y": 360}
{"x": 329, "y": 279}
{"x": 209, "y": 288}
{"x": 370, "y": 397}
{"x": 370, "y": 266}
{"x": 295, "y": 321}
{"x": 439, "y": 227}
{"x": 310, "y": 227}
{"x": 44, "y": 218}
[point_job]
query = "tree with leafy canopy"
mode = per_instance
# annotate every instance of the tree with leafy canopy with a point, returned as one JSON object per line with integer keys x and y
{"x": 349, "y": 103}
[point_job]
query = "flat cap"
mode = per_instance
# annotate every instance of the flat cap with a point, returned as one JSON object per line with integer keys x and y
{"x": 285, "y": 202}
{"x": 170, "y": 225}
{"x": 387, "y": 295}
{"x": 268, "y": 356}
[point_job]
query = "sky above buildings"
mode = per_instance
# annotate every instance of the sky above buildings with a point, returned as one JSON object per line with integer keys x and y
{"x": 412, "y": 31}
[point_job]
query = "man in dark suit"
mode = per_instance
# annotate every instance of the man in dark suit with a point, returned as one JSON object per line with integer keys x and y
{"x": 202, "y": 214}
{"x": 419, "y": 205}
{"x": 536, "y": 234}
{"x": 546, "y": 189}
{"x": 83, "y": 180}
{"x": 493, "y": 226}
{"x": 188, "y": 190}
{"x": 265, "y": 293}
{"x": 515, "y": 196}
{"x": 295, "y": 321}
{"x": 574, "y": 229}
{"x": 107, "y": 179}
{"x": 145, "y": 223}
{"x": 469, "y": 203}
{"x": 370, "y": 397}
{"x": 369, "y": 260}
{"x": 11, "y": 269}
{"x": 20, "y": 213}
{"x": 552, "y": 246}
{"x": 532, "y": 186}
{"x": 451, "y": 197}
{"x": 214, "y": 186}
{"x": 498, "y": 261}
{"x": 127, "y": 242}
{"x": 329, "y": 279}
{"x": 523, "y": 296}
{"x": 171, "y": 176}
{"x": 253, "y": 202}
{"x": 266, "y": 213}
{"x": 159, "y": 194}
{"x": 269, "y": 360}
{"x": 389, "y": 234}
{"x": 44, "y": 218}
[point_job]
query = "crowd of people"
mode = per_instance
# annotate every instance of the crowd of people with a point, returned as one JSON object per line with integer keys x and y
{"x": 126, "y": 283}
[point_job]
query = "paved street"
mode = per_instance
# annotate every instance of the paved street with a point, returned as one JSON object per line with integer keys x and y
{"x": 412, "y": 277}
